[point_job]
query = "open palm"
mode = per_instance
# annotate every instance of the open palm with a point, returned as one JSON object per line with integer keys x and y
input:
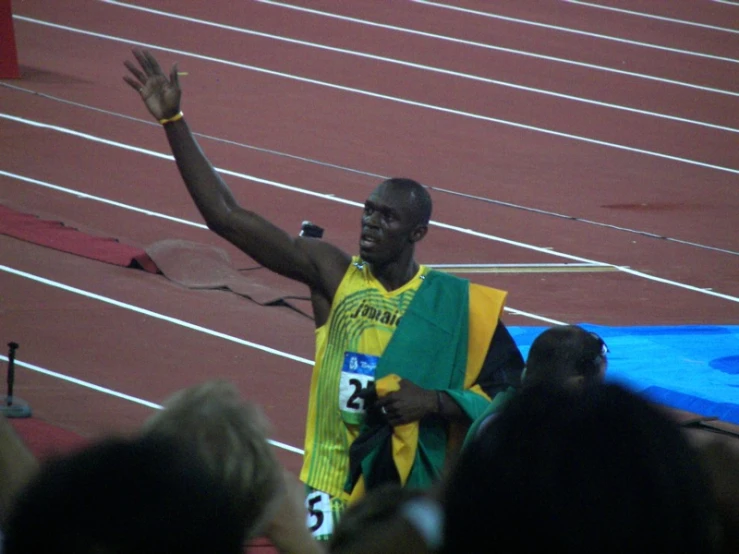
{"x": 160, "y": 93}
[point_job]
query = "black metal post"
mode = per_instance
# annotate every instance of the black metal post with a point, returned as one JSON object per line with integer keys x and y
{"x": 13, "y": 407}
{"x": 13, "y": 346}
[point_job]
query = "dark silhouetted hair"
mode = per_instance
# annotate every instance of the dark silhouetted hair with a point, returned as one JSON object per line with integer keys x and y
{"x": 564, "y": 351}
{"x": 121, "y": 496}
{"x": 578, "y": 471}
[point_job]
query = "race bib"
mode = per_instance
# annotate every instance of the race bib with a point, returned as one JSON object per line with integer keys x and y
{"x": 320, "y": 516}
{"x": 357, "y": 373}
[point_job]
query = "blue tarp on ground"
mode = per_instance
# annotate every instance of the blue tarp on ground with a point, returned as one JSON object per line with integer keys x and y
{"x": 693, "y": 368}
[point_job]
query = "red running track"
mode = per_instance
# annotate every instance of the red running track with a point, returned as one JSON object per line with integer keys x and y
{"x": 623, "y": 123}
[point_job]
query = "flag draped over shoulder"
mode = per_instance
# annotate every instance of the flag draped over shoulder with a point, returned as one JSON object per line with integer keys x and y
{"x": 440, "y": 344}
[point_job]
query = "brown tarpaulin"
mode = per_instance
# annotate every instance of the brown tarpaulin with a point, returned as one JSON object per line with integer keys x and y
{"x": 199, "y": 266}
{"x": 190, "y": 264}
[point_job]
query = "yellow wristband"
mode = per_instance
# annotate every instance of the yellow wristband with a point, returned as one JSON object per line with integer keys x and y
{"x": 172, "y": 119}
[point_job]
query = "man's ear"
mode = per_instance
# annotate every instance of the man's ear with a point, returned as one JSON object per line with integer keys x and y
{"x": 419, "y": 232}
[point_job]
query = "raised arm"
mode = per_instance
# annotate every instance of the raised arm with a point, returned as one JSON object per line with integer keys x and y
{"x": 318, "y": 264}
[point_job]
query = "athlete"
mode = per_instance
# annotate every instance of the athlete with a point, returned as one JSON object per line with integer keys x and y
{"x": 449, "y": 351}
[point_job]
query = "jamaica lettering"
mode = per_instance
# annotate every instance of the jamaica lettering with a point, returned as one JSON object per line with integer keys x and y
{"x": 386, "y": 317}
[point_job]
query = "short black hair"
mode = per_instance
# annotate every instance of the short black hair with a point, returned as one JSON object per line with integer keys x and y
{"x": 564, "y": 351}
{"x": 421, "y": 203}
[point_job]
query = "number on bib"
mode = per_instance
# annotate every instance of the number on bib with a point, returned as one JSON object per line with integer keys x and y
{"x": 320, "y": 518}
{"x": 357, "y": 373}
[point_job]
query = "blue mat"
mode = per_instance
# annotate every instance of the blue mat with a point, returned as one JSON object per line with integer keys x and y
{"x": 693, "y": 368}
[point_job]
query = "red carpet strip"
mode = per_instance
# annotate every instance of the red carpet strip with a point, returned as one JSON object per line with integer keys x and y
{"x": 55, "y": 234}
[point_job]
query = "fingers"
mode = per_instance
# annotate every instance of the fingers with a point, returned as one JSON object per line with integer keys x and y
{"x": 148, "y": 63}
{"x": 384, "y": 401}
{"x": 135, "y": 85}
{"x": 136, "y": 72}
{"x": 396, "y": 419}
{"x": 388, "y": 407}
{"x": 152, "y": 63}
{"x": 147, "y": 68}
{"x": 140, "y": 56}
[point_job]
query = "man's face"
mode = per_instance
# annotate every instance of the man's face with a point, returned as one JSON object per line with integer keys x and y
{"x": 388, "y": 225}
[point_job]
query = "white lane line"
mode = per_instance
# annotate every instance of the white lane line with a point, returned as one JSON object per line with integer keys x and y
{"x": 156, "y": 214}
{"x": 180, "y": 322}
{"x": 530, "y": 209}
{"x": 117, "y": 394}
{"x": 155, "y": 124}
{"x": 403, "y": 101}
{"x": 155, "y": 315}
{"x": 85, "y": 384}
{"x": 499, "y": 48}
{"x": 369, "y": 174}
{"x": 80, "y": 194}
{"x": 513, "y": 311}
{"x": 653, "y": 16}
{"x": 325, "y": 164}
{"x": 334, "y": 198}
{"x": 541, "y": 265}
{"x": 169, "y": 157}
{"x": 431, "y": 69}
{"x": 578, "y": 32}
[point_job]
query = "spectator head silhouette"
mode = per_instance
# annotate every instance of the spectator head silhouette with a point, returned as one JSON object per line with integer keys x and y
{"x": 125, "y": 496}
{"x": 566, "y": 355}
{"x": 579, "y": 470}
{"x": 230, "y": 435}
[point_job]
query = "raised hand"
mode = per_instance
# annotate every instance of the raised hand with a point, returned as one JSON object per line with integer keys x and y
{"x": 160, "y": 94}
